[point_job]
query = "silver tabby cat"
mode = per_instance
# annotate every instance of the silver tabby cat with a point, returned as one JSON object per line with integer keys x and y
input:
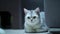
{"x": 35, "y": 21}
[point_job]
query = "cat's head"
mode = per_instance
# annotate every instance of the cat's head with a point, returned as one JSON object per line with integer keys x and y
{"x": 32, "y": 16}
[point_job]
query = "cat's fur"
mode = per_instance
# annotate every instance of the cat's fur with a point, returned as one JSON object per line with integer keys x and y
{"x": 35, "y": 21}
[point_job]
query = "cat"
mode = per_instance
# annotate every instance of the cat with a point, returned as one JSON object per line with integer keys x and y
{"x": 35, "y": 21}
{"x": 2, "y": 31}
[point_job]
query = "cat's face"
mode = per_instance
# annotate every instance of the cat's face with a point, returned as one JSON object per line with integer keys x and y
{"x": 31, "y": 16}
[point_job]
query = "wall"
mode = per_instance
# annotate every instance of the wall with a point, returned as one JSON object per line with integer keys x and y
{"x": 13, "y": 6}
{"x": 52, "y": 9}
{"x": 32, "y": 4}
{"x": 0, "y": 21}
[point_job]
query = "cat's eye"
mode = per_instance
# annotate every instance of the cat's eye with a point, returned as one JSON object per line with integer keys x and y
{"x": 34, "y": 17}
{"x": 28, "y": 17}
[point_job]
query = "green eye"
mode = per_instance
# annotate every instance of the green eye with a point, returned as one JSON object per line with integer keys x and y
{"x": 28, "y": 17}
{"x": 34, "y": 17}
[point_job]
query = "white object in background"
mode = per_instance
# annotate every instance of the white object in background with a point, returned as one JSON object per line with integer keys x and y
{"x": 2, "y": 31}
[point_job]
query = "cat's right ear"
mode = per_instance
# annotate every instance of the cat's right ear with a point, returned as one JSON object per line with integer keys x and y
{"x": 25, "y": 10}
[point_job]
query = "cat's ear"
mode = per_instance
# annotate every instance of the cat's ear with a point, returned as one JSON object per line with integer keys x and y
{"x": 25, "y": 10}
{"x": 37, "y": 9}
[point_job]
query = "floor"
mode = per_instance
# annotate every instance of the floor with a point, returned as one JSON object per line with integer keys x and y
{"x": 20, "y": 32}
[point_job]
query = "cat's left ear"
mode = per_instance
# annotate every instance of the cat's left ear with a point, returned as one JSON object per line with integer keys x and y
{"x": 25, "y": 10}
{"x": 37, "y": 9}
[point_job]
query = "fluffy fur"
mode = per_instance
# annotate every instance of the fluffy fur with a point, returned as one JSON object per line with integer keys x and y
{"x": 34, "y": 21}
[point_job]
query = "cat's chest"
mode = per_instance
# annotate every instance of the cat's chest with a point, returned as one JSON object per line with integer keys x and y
{"x": 36, "y": 26}
{"x": 33, "y": 26}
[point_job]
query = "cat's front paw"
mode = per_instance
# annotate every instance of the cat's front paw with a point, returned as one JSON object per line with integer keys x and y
{"x": 37, "y": 30}
{"x": 28, "y": 30}
{"x": 41, "y": 31}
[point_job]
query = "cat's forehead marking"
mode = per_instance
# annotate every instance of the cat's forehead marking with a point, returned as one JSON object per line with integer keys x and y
{"x": 31, "y": 13}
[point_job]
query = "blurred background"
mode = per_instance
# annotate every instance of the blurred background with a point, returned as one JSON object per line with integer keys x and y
{"x": 12, "y": 14}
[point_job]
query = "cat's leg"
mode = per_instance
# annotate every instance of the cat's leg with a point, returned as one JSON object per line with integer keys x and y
{"x": 28, "y": 30}
{"x": 41, "y": 31}
{"x": 38, "y": 30}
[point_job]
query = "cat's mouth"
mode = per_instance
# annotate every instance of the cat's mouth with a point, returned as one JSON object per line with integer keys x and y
{"x": 31, "y": 20}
